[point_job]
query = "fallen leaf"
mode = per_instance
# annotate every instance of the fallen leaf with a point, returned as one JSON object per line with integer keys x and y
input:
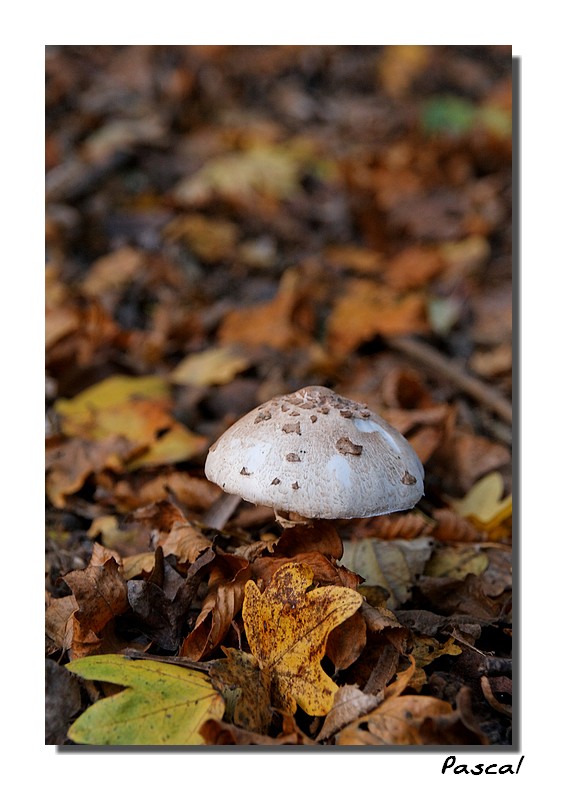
{"x": 287, "y": 629}
{"x": 112, "y": 272}
{"x": 483, "y": 504}
{"x": 456, "y": 562}
{"x": 70, "y": 463}
{"x": 367, "y": 309}
{"x": 160, "y": 611}
{"x": 227, "y": 578}
{"x": 393, "y": 565}
{"x": 211, "y": 239}
{"x": 101, "y": 595}
{"x": 162, "y": 704}
{"x": 282, "y": 323}
{"x": 185, "y": 541}
{"x": 135, "y": 408}
{"x": 244, "y": 689}
{"x": 215, "y": 366}
{"x": 138, "y": 489}
{"x": 263, "y": 172}
{"x": 411, "y": 720}
{"x": 217, "y": 732}
{"x": 349, "y": 704}
{"x": 426, "y": 649}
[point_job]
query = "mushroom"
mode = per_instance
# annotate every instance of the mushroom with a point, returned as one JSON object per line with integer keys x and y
{"x": 316, "y": 455}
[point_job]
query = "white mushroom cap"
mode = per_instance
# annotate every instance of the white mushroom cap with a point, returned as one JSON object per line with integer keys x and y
{"x": 319, "y": 455}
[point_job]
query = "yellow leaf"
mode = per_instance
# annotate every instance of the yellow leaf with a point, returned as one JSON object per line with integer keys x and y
{"x": 457, "y": 562}
{"x": 217, "y": 365}
{"x": 163, "y": 704}
{"x": 112, "y": 391}
{"x": 287, "y": 629}
{"x": 483, "y": 504}
{"x": 136, "y": 408}
{"x": 178, "y": 444}
{"x": 261, "y": 171}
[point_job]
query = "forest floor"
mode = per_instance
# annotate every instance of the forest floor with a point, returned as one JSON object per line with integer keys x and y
{"x": 227, "y": 224}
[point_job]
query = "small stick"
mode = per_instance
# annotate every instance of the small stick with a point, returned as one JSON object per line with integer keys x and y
{"x": 221, "y": 511}
{"x": 439, "y": 364}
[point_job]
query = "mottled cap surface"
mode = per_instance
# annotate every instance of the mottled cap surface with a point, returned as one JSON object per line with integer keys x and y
{"x": 319, "y": 455}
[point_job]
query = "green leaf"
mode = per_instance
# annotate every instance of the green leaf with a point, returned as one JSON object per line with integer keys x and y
{"x": 163, "y": 704}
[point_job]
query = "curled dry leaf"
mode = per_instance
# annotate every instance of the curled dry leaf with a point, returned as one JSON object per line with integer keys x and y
{"x": 350, "y": 703}
{"x": 227, "y": 578}
{"x": 101, "y": 595}
{"x": 412, "y": 720}
{"x": 287, "y": 629}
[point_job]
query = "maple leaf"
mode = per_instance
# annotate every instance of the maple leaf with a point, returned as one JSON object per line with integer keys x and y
{"x": 287, "y": 629}
{"x": 163, "y": 703}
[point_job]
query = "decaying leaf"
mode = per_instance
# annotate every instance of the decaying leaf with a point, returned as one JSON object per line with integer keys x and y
{"x": 245, "y": 690}
{"x": 391, "y": 565}
{"x": 412, "y": 720}
{"x": 100, "y": 593}
{"x": 350, "y": 703}
{"x": 227, "y": 579}
{"x": 287, "y": 628}
{"x": 162, "y": 704}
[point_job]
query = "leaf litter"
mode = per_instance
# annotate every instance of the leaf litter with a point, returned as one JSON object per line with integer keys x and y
{"x": 348, "y": 223}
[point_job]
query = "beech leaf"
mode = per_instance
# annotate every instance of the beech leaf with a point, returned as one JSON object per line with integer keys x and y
{"x": 162, "y": 704}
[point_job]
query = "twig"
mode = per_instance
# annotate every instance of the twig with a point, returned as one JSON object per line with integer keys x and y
{"x": 221, "y": 511}
{"x": 440, "y": 364}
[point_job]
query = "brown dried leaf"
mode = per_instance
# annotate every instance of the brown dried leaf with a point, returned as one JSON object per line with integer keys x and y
{"x": 283, "y": 323}
{"x": 367, "y": 309}
{"x": 185, "y": 541}
{"x": 99, "y": 590}
{"x": 216, "y": 732}
{"x": 244, "y": 688}
{"x": 350, "y": 703}
{"x": 69, "y": 464}
{"x": 228, "y": 576}
{"x": 411, "y": 720}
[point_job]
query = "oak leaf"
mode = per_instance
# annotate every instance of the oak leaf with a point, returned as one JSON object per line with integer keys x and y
{"x": 163, "y": 704}
{"x": 287, "y": 629}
